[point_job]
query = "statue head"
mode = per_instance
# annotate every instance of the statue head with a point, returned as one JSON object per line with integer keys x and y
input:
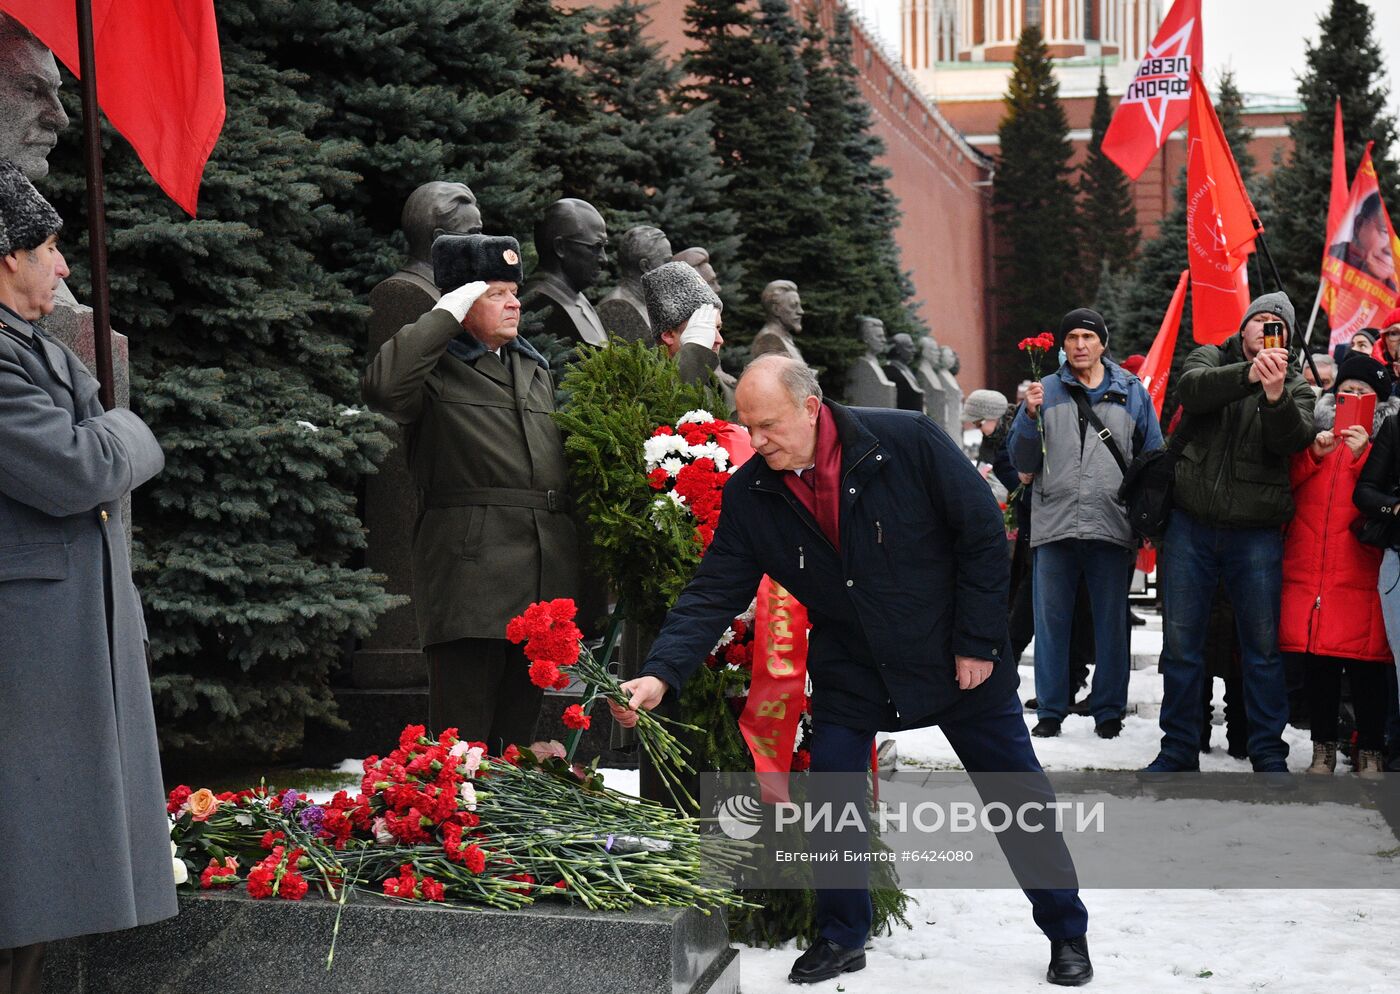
{"x": 951, "y": 362}
{"x": 435, "y": 209}
{"x": 640, "y": 250}
{"x": 699, "y": 260}
{"x": 572, "y": 241}
{"x": 903, "y": 348}
{"x": 782, "y": 305}
{"x": 928, "y": 350}
{"x": 872, "y": 333}
{"x": 29, "y": 83}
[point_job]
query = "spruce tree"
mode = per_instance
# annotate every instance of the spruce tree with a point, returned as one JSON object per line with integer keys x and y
{"x": 1346, "y": 62}
{"x": 1107, "y": 215}
{"x": 667, "y": 173}
{"x": 858, "y": 270}
{"x": 241, "y": 364}
{"x": 415, "y": 91}
{"x": 747, "y": 71}
{"x": 1039, "y": 272}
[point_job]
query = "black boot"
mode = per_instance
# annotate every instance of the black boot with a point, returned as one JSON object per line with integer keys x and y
{"x": 1046, "y": 728}
{"x": 826, "y": 960}
{"x": 1069, "y": 962}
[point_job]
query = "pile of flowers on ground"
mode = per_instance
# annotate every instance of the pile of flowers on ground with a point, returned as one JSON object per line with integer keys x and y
{"x": 689, "y": 465}
{"x": 439, "y": 820}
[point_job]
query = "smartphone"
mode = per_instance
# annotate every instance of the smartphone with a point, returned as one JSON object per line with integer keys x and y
{"x": 1354, "y": 410}
{"x": 1273, "y": 335}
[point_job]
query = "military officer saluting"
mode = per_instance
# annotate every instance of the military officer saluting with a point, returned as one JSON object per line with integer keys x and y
{"x": 494, "y": 531}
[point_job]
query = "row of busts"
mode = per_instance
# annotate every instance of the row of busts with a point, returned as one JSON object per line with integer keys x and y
{"x": 571, "y": 242}
{"x": 905, "y": 373}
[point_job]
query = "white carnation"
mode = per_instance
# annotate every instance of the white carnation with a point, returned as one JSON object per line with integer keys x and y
{"x": 699, "y": 417}
{"x": 672, "y": 466}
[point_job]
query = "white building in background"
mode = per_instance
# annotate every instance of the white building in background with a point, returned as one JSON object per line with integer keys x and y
{"x": 962, "y": 49}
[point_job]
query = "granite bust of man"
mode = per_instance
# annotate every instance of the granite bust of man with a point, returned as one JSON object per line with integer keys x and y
{"x": 910, "y": 396}
{"x": 624, "y": 311}
{"x": 29, "y": 84}
{"x": 699, "y": 259}
{"x": 435, "y": 208}
{"x": 782, "y": 308}
{"x": 572, "y": 242}
{"x": 926, "y": 370}
{"x": 866, "y": 382}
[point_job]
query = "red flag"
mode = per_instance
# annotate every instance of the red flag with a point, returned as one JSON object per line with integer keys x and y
{"x": 1220, "y": 225}
{"x": 1158, "y": 366}
{"x": 1337, "y": 200}
{"x": 159, "y": 77}
{"x": 1156, "y": 101}
{"x": 1359, "y": 269}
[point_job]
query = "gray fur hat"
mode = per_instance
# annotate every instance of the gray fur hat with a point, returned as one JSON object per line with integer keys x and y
{"x": 462, "y": 259}
{"x": 1276, "y": 303}
{"x": 26, "y": 218}
{"x": 674, "y": 292}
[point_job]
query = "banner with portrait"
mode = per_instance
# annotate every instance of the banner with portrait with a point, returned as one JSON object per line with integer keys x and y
{"x": 1359, "y": 279}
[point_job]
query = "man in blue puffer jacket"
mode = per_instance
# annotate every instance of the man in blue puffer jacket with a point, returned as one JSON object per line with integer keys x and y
{"x": 1080, "y": 528}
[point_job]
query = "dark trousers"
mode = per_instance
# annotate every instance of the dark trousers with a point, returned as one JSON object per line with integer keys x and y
{"x": 994, "y": 742}
{"x": 22, "y": 969}
{"x": 1368, "y": 698}
{"x": 482, "y": 688}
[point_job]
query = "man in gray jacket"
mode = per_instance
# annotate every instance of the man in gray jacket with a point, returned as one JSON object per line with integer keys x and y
{"x": 82, "y": 809}
{"x": 1079, "y": 529}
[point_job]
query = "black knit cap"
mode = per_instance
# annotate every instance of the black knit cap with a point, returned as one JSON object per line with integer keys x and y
{"x": 1359, "y": 366}
{"x": 462, "y": 259}
{"x": 27, "y": 220}
{"x": 1087, "y": 319}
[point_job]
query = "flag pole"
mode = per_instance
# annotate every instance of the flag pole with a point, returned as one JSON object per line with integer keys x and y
{"x": 1317, "y": 306}
{"x": 1278, "y": 282}
{"x": 97, "y": 220}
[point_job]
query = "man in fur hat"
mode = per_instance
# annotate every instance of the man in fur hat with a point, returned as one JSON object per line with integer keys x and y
{"x": 685, "y": 321}
{"x": 72, "y": 638}
{"x": 494, "y": 532}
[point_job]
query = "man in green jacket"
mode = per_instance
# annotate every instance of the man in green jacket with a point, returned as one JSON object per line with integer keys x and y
{"x": 1247, "y": 410}
{"x": 493, "y": 532}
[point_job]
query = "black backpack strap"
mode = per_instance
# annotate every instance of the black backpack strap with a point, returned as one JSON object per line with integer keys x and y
{"x": 1104, "y": 434}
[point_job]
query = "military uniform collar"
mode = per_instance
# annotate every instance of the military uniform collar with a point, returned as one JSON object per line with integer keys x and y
{"x": 13, "y": 323}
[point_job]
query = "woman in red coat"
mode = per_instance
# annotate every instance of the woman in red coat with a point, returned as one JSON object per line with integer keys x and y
{"x": 1331, "y": 610}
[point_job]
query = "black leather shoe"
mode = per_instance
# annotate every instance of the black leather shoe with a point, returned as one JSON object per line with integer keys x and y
{"x": 1046, "y": 728}
{"x": 1032, "y": 704}
{"x": 1069, "y": 962}
{"x": 1109, "y": 728}
{"x": 826, "y": 960}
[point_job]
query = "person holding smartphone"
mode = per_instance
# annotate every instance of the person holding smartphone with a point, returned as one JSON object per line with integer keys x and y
{"x": 1331, "y": 611}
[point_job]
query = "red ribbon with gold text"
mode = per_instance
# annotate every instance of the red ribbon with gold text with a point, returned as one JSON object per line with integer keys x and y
{"x": 778, "y": 690}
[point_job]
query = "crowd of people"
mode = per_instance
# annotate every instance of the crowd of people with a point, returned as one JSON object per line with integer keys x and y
{"x": 1278, "y": 571}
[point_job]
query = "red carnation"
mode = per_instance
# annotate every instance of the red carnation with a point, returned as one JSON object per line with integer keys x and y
{"x": 657, "y": 478}
{"x": 293, "y": 886}
{"x": 219, "y": 875}
{"x": 801, "y": 760}
{"x": 575, "y": 718}
{"x": 177, "y": 798}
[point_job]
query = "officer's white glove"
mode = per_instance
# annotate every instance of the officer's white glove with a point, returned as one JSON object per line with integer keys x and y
{"x": 457, "y": 302}
{"x": 700, "y": 330}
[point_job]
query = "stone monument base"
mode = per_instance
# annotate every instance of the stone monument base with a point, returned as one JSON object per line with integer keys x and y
{"x": 229, "y": 943}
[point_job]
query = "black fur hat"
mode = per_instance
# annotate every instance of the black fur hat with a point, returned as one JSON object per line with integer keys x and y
{"x": 26, "y": 218}
{"x": 462, "y": 259}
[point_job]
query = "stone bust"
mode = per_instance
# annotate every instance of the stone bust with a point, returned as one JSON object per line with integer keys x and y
{"x": 782, "y": 310}
{"x": 930, "y": 379}
{"x": 436, "y": 208}
{"x": 572, "y": 242}
{"x": 624, "y": 310}
{"x": 699, "y": 259}
{"x": 29, "y": 83}
{"x": 910, "y": 395}
{"x": 866, "y": 382}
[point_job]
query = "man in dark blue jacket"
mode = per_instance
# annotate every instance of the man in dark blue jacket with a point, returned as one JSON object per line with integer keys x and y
{"x": 881, "y": 527}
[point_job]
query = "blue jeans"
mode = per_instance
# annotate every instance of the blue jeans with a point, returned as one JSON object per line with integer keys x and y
{"x": 1195, "y": 559}
{"x": 1107, "y": 570}
{"x": 993, "y": 742}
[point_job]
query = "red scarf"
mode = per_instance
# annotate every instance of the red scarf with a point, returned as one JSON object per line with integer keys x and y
{"x": 819, "y": 488}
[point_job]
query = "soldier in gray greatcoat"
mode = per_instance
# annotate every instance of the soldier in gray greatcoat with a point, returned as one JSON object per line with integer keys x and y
{"x": 82, "y": 810}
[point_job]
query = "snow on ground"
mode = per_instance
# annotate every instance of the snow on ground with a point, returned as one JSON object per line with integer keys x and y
{"x": 1216, "y": 941}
